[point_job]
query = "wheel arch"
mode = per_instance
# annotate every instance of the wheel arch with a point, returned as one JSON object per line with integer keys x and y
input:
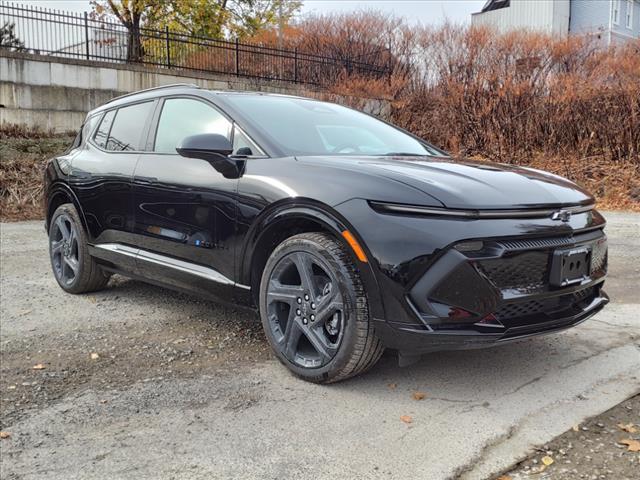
{"x": 284, "y": 220}
{"x": 59, "y": 194}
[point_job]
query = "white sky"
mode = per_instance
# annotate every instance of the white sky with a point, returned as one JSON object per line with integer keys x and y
{"x": 419, "y": 11}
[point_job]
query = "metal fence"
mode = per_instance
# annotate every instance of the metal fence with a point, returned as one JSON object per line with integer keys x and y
{"x": 77, "y": 35}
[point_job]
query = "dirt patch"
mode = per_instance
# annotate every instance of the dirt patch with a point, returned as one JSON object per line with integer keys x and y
{"x": 594, "y": 450}
{"x": 121, "y": 354}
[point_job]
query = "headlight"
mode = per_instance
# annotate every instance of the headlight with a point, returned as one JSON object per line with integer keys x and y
{"x": 398, "y": 209}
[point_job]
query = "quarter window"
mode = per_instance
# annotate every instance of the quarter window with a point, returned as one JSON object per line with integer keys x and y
{"x": 105, "y": 126}
{"x": 182, "y": 117}
{"x": 243, "y": 145}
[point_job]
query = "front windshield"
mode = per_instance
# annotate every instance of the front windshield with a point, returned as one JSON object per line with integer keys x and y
{"x": 300, "y": 126}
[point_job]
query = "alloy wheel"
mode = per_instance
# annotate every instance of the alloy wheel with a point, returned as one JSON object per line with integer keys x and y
{"x": 64, "y": 249}
{"x": 305, "y": 309}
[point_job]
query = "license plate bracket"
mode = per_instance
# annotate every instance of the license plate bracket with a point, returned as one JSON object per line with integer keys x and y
{"x": 570, "y": 266}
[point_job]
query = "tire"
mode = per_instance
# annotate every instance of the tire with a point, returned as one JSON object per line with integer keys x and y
{"x": 314, "y": 310}
{"x": 73, "y": 268}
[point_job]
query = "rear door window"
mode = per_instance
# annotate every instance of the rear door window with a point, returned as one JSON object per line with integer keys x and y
{"x": 121, "y": 130}
{"x": 126, "y": 132}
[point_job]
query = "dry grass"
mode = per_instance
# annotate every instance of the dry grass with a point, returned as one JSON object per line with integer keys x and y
{"x": 23, "y": 155}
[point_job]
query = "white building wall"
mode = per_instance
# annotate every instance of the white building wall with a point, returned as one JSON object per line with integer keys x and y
{"x": 547, "y": 16}
{"x": 589, "y": 16}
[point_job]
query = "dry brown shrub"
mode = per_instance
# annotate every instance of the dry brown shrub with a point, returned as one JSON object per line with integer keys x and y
{"x": 327, "y": 47}
{"x": 23, "y": 155}
{"x": 616, "y": 185}
{"x": 512, "y": 96}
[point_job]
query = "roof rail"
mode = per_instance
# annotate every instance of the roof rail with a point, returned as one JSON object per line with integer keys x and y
{"x": 172, "y": 85}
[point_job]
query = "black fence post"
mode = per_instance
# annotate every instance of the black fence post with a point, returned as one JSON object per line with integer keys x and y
{"x": 237, "y": 57}
{"x": 295, "y": 65}
{"x": 86, "y": 35}
{"x": 166, "y": 32}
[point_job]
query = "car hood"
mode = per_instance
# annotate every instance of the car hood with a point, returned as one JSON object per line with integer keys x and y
{"x": 469, "y": 184}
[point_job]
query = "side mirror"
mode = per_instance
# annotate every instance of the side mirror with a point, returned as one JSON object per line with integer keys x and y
{"x": 207, "y": 146}
{"x": 213, "y": 148}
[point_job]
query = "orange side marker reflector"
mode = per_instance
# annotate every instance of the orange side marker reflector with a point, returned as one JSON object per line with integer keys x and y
{"x": 355, "y": 246}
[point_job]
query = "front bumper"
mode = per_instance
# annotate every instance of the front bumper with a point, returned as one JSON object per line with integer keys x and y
{"x": 438, "y": 297}
{"x": 500, "y": 293}
{"x": 416, "y": 342}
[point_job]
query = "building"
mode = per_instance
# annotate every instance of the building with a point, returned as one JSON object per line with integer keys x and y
{"x": 613, "y": 21}
{"x": 104, "y": 44}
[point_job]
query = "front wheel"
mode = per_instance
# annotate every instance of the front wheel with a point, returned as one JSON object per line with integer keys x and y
{"x": 314, "y": 310}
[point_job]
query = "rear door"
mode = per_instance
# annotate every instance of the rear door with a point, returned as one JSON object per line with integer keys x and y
{"x": 102, "y": 174}
{"x": 185, "y": 210}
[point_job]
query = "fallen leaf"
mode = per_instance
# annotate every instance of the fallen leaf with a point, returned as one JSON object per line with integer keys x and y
{"x": 392, "y": 386}
{"x": 547, "y": 460}
{"x": 576, "y": 428}
{"x": 11, "y": 387}
{"x": 632, "y": 445}
{"x": 629, "y": 427}
{"x": 406, "y": 419}
{"x": 5, "y": 434}
{"x": 419, "y": 395}
{"x": 504, "y": 477}
{"x": 39, "y": 366}
{"x": 25, "y": 312}
{"x": 91, "y": 299}
{"x": 95, "y": 356}
{"x": 103, "y": 401}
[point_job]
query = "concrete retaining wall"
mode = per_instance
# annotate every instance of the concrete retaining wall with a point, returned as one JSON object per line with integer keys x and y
{"x": 55, "y": 93}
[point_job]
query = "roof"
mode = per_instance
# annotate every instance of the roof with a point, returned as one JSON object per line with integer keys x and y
{"x": 182, "y": 88}
{"x": 495, "y": 5}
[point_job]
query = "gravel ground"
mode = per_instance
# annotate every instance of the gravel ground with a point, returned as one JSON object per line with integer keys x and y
{"x": 141, "y": 381}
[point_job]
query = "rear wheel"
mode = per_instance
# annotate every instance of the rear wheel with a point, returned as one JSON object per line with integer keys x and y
{"x": 74, "y": 269}
{"x": 314, "y": 310}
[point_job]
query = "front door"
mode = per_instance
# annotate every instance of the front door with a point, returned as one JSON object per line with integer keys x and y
{"x": 185, "y": 210}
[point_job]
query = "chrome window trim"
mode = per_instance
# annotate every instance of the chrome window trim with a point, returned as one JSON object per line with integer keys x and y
{"x": 169, "y": 262}
{"x": 475, "y": 214}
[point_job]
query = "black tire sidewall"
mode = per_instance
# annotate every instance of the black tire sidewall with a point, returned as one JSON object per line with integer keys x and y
{"x": 347, "y": 290}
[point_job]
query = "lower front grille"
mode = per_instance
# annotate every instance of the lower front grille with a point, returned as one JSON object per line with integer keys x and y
{"x": 599, "y": 256}
{"x": 520, "y": 309}
{"x": 517, "y": 313}
{"x": 526, "y": 272}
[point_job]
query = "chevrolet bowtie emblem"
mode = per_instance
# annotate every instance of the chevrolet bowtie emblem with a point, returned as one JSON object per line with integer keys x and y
{"x": 563, "y": 215}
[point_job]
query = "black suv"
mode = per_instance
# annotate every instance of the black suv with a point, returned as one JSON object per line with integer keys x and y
{"x": 348, "y": 234}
